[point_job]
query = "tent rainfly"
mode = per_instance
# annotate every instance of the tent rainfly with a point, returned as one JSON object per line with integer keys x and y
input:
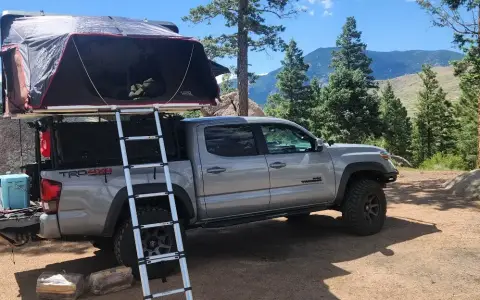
{"x": 51, "y": 61}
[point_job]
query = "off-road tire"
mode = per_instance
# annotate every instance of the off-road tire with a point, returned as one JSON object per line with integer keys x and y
{"x": 356, "y": 207}
{"x": 124, "y": 243}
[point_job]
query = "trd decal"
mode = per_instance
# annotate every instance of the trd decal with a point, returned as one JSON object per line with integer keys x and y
{"x": 90, "y": 172}
{"x": 314, "y": 179}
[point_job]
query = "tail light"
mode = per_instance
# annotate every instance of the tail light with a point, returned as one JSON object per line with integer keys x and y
{"x": 50, "y": 194}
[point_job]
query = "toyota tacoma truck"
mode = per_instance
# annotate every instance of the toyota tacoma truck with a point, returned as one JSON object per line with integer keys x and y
{"x": 224, "y": 170}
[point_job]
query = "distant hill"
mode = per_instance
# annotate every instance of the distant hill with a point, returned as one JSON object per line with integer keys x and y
{"x": 407, "y": 87}
{"x": 385, "y": 65}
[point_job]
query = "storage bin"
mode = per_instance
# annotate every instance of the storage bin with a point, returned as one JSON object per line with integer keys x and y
{"x": 14, "y": 191}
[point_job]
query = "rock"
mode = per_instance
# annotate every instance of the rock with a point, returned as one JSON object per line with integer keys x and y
{"x": 110, "y": 280}
{"x": 465, "y": 185}
{"x": 228, "y": 106}
{"x": 66, "y": 286}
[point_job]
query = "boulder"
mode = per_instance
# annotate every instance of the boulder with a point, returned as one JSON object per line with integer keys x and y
{"x": 465, "y": 185}
{"x": 228, "y": 106}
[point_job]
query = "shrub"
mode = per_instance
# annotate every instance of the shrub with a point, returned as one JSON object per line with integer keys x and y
{"x": 442, "y": 161}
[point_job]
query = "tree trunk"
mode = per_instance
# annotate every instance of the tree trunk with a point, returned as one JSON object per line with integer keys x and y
{"x": 242, "y": 59}
{"x": 478, "y": 109}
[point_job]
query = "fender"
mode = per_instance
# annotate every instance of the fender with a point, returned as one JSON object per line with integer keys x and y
{"x": 122, "y": 197}
{"x": 352, "y": 168}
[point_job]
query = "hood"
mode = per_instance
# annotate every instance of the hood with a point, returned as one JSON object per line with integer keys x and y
{"x": 343, "y": 148}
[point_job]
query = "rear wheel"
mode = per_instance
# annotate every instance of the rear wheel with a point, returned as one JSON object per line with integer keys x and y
{"x": 365, "y": 207}
{"x": 155, "y": 241}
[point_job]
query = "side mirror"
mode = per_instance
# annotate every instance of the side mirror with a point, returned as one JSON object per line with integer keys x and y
{"x": 319, "y": 145}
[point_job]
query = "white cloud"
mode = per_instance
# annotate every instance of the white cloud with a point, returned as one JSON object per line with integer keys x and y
{"x": 303, "y": 8}
{"x": 327, "y": 4}
{"x": 311, "y": 12}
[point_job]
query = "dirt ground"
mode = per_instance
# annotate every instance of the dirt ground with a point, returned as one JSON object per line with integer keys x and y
{"x": 429, "y": 249}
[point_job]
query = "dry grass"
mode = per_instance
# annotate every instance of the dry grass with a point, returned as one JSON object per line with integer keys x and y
{"x": 407, "y": 87}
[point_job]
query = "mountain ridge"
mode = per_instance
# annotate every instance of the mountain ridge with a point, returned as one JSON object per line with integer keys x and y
{"x": 385, "y": 65}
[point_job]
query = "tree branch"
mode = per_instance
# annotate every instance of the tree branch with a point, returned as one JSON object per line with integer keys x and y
{"x": 279, "y": 15}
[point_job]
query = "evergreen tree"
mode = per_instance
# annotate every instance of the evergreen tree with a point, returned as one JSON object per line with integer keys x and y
{"x": 466, "y": 115}
{"x": 351, "y": 53}
{"x": 248, "y": 17}
{"x": 294, "y": 98}
{"x": 397, "y": 126}
{"x": 434, "y": 124}
{"x": 463, "y": 17}
{"x": 349, "y": 112}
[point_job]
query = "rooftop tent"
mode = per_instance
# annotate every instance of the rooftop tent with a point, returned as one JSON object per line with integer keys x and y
{"x": 53, "y": 61}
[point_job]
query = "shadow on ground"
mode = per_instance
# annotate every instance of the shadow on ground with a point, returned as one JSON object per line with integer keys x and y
{"x": 272, "y": 259}
{"x": 36, "y": 248}
{"x": 427, "y": 192}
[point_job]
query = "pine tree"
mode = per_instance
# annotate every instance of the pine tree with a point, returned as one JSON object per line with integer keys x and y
{"x": 349, "y": 112}
{"x": 434, "y": 124}
{"x": 248, "y": 17}
{"x": 463, "y": 17}
{"x": 351, "y": 53}
{"x": 294, "y": 96}
{"x": 397, "y": 126}
{"x": 465, "y": 112}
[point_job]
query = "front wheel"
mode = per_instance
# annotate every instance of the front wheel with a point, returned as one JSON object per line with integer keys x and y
{"x": 365, "y": 207}
{"x": 155, "y": 241}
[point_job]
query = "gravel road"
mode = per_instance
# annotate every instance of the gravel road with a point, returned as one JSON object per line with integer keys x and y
{"x": 429, "y": 249}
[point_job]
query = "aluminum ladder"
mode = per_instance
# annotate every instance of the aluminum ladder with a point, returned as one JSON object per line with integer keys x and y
{"x": 142, "y": 260}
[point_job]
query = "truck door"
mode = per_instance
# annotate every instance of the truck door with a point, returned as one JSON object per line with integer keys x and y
{"x": 299, "y": 176}
{"x": 235, "y": 174}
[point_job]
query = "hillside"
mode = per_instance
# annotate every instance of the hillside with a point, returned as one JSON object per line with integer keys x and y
{"x": 407, "y": 87}
{"x": 385, "y": 65}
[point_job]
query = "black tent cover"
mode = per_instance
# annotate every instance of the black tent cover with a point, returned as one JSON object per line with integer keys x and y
{"x": 53, "y": 61}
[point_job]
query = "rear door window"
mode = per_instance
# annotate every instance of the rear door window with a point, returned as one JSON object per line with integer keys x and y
{"x": 230, "y": 140}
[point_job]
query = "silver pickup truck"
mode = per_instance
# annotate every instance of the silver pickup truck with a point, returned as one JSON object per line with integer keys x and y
{"x": 225, "y": 171}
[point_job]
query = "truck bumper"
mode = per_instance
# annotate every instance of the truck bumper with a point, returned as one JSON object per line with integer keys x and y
{"x": 49, "y": 227}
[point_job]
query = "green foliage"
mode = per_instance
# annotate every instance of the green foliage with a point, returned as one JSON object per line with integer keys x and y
{"x": 349, "y": 112}
{"x": 434, "y": 123}
{"x": 252, "y": 32}
{"x": 465, "y": 112}
{"x": 226, "y": 84}
{"x": 397, "y": 126}
{"x": 351, "y": 54}
{"x": 294, "y": 98}
{"x": 442, "y": 161}
{"x": 463, "y": 18}
{"x": 192, "y": 114}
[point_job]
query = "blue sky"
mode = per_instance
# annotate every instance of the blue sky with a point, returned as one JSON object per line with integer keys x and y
{"x": 386, "y": 24}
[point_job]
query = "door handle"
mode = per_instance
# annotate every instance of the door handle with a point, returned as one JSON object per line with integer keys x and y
{"x": 278, "y": 165}
{"x": 216, "y": 170}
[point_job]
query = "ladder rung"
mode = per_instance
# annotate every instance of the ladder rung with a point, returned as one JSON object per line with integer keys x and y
{"x": 141, "y": 138}
{"x": 162, "y": 257}
{"x": 136, "y": 110}
{"x": 153, "y": 225}
{"x": 139, "y": 196}
{"x": 144, "y": 166}
{"x": 171, "y": 292}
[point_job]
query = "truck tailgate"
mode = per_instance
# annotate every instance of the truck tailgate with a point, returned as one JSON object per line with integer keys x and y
{"x": 17, "y": 226}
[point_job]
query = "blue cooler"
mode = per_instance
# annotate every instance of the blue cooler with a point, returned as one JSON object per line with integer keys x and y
{"x": 14, "y": 191}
